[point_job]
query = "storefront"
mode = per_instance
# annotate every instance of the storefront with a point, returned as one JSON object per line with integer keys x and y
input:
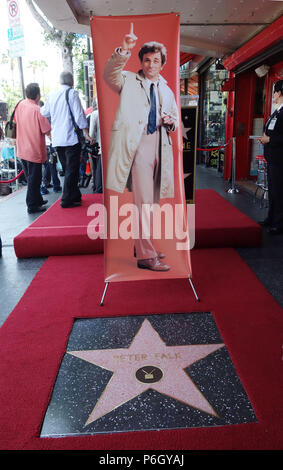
{"x": 253, "y": 70}
{"x": 213, "y": 107}
{"x": 201, "y": 81}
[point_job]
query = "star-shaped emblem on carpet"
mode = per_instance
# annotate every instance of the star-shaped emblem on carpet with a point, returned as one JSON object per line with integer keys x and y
{"x": 148, "y": 364}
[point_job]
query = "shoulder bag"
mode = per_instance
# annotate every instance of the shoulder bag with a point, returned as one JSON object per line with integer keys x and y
{"x": 77, "y": 130}
{"x": 11, "y": 126}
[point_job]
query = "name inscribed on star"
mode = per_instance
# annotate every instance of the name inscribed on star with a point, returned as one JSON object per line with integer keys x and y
{"x": 145, "y": 357}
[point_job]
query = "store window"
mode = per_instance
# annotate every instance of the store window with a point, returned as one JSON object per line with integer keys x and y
{"x": 214, "y": 116}
{"x": 258, "y": 121}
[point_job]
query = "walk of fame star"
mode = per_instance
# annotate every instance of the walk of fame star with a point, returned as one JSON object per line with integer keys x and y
{"x": 148, "y": 364}
{"x": 185, "y": 130}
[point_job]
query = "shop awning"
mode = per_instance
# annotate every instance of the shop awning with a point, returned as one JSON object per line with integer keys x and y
{"x": 185, "y": 57}
{"x": 264, "y": 40}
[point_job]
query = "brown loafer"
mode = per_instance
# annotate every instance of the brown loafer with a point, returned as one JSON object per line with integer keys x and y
{"x": 159, "y": 254}
{"x": 154, "y": 264}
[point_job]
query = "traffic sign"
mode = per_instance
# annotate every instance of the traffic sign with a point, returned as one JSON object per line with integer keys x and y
{"x": 13, "y": 12}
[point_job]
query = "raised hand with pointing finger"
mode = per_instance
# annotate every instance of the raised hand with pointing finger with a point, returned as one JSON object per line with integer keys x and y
{"x": 129, "y": 40}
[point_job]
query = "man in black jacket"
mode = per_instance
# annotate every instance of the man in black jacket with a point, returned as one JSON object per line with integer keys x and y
{"x": 272, "y": 139}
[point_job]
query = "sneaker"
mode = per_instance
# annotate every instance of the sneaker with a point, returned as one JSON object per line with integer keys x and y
{"x": 57, "y": 190}
{"x": 44, "y": 191}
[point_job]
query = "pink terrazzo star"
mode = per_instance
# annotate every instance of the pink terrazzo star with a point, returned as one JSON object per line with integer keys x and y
{"x": 148, "y": 364}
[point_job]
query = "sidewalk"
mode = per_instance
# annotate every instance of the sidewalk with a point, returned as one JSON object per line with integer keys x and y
{"x": 16, "y": 274}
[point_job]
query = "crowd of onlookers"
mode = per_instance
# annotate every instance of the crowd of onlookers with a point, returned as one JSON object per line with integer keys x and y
{"x": 54, "y": 139}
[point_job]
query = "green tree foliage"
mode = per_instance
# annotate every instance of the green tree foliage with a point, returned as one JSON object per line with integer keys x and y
{"x": 11, "y": 94}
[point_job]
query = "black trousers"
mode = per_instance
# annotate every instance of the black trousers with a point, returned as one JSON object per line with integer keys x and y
{"x": 275, "y": 194}
{"x": 70, "y": 160}
{"x": 49, "y": 171}
{"x": 97, "y": 174}
{"x": 33, "y": 174}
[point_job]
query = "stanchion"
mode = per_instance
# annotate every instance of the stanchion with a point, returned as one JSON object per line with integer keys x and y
{"x": 13, "y": 179}
{"x": 16, "y": 166}
{"x": 233, "y": 189}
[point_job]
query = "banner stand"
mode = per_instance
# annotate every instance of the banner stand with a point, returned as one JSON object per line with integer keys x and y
{"x": 193, "y": 288}
{"x": 190, "y": 280}
{"x": 104, "y": 293}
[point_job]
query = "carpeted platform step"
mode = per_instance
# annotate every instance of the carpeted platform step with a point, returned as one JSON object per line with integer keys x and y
{"x": 64, "y": 231}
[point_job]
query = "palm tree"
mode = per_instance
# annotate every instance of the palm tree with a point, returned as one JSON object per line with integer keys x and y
{"x": 64, "y": 40}
{"x": 38, "y": 65}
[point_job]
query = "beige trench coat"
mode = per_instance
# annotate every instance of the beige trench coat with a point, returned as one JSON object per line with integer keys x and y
{"x": 130, "y": 122}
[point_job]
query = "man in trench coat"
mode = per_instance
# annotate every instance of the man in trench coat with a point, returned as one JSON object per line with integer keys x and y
{"x": 140, "y": 153}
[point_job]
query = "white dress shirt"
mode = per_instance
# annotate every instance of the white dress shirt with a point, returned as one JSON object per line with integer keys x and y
{"x": 56, "y": 108}
{"x": 149, "y": 82}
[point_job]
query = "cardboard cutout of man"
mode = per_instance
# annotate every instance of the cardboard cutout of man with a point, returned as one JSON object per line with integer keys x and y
{"x": 140, "y": 153}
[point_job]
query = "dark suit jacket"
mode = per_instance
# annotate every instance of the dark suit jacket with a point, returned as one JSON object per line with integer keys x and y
{"x": 273, "y": 151}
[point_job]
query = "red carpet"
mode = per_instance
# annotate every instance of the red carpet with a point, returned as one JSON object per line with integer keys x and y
{"x": 34, "y": 338}
{"x": 220, "y": 224}
{"x": 64, "y": 231}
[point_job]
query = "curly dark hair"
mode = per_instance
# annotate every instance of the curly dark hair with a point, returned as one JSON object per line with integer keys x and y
{"x": 153, "y": 47}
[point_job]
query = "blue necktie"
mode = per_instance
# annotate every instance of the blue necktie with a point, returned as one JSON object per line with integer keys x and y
{"x": 151, "y": 127}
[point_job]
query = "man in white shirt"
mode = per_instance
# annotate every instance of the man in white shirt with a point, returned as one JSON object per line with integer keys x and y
{"x": 64, "y": 137}
{"x": 140, "y": 154}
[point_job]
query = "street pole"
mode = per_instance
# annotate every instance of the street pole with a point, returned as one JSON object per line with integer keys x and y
{"x": 89, "y": 58}
{"x": 20, "y": 64}
{"x": 86, "y": 85}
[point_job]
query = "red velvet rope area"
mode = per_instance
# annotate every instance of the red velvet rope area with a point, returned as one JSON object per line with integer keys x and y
{"x": 11, "y": 181}
{"x": 205, "y": 150}
{"x": 215, "y": 148}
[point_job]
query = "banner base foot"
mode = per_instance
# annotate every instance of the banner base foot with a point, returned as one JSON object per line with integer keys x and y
{"x": 104, "y": 293}
{"x": 193, "y": 288}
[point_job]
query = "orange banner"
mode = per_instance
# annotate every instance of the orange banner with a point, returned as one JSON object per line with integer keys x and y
{"x": 145, "y": 221}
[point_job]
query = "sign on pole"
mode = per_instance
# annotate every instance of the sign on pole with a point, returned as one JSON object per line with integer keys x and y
{"x": 15, "y": 32}
{"x": 13, "y": 12}
{"x": 16, "y": 41}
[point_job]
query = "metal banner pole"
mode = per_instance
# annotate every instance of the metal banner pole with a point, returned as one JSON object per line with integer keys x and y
{"x": 105, "y": 289}
{"x": 233, "y": 189}
{"x": 192, "y": 286}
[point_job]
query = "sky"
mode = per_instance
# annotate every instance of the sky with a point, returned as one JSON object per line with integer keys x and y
{"x": 35, "y": 49}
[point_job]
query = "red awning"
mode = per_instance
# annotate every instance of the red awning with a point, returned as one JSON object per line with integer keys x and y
{"x": 265, "y": 39}
{"x": 185, "y": 57}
